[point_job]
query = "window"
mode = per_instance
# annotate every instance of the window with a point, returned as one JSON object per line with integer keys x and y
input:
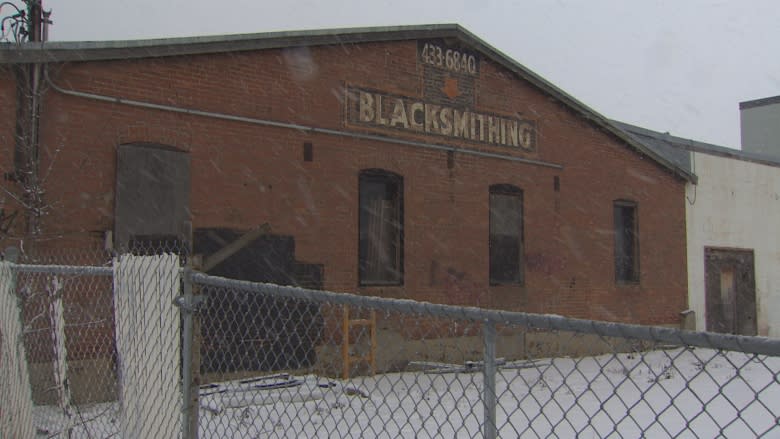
{"x": 506, "y": 235}
{"x": 381, "y": 228}
{"x": 626, "y": 242}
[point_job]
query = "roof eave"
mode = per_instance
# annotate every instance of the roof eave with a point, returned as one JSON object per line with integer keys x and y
{"x": 658, "y": 158}
{"x": 701, "y": 147}
{"x": 152, "y": 48}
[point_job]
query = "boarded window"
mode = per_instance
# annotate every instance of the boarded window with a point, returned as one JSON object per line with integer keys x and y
{"x": 626, "y": 242}
{"x": 506, "y": 235}
{"x": 152, "y": 197}
{"x": 381, "y": 228}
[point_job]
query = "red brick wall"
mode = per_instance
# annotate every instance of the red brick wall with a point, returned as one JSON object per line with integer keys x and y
{"x": 244, "y": 175}
{"x": 7, "y": 116}
{"x": 7, "y": 142}
{"x": 13, "y": 215}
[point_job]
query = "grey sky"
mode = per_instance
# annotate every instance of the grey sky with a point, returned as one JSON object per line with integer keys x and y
{"x": 669, "y": 65}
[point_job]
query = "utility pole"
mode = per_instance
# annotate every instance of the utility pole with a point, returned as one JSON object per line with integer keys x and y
{"x": 35, "y": 11}
{"x": 38, "y": 21}
{"x": 32, "y": 26}
{"x": 24, "y": 25}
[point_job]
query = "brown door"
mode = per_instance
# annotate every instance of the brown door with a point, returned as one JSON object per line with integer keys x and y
{"x": 730, "y": 291}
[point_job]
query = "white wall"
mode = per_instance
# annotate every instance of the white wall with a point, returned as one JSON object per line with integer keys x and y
{"x": 736, "y": 204}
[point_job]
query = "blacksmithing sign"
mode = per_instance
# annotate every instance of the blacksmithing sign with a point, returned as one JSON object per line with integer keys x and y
{"x": 377, "y": 109}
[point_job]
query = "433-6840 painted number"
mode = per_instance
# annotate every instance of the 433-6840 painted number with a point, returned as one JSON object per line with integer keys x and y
{"x": 450, "y": 59}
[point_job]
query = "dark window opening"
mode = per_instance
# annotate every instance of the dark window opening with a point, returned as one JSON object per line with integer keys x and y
{"x": 626, "y": 242}
{"x": 506, "y": 235}
{"x": 381, "y": 228}
{"x": 242, "y": 331}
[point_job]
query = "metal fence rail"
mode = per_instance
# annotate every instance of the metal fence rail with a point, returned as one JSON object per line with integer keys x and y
{"x": 146, "y": 347}
{"x": 446, "y": 371}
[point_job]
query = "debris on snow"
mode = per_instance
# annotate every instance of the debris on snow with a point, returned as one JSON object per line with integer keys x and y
{"x": 470, "y": 366}
{"x": 266, "y": 390}
{"x": 354, "y": 391}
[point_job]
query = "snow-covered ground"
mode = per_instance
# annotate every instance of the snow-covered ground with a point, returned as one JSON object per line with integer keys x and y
{"x": 665, "y": 393}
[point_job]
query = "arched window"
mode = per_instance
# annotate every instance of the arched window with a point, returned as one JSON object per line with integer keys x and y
{"x": 506, "y": 234}
{"x": 381, "y": 228}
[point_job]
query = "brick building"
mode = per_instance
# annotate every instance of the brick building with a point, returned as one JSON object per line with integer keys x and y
{"x": 414, "y": 162}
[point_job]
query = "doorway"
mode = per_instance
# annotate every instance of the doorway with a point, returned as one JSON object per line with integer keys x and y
{"x": 730, "y": 291}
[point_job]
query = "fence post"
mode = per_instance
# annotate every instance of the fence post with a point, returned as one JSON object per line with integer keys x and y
{"x": 16, "y": 404}
{"x": 148, "y": 333}
{"x": 189, "y": 392}
{"x": 61, "y": 381}
{"x": 489, "y": 379}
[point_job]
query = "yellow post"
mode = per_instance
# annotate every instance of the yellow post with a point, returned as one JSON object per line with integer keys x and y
{"x": 372, "y": 354}
{"x": 345, "y": 344}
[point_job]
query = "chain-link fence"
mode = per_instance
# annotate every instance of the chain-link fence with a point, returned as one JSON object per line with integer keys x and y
{"x": 90, "y": 350}
{"x": 143, "y": 346}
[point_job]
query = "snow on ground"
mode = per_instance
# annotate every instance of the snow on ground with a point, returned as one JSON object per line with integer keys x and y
{"x": 665, "y": 393}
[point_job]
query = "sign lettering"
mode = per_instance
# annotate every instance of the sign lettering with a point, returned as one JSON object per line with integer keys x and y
{"x": 382, "y": 110}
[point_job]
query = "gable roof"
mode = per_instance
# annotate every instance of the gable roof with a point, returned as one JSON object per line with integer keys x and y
{"x": 44, "y": 52}
{"x": 677, "y": 149}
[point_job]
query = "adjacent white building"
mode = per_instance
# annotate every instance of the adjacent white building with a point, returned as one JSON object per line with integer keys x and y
{"x": 733, "y": 233}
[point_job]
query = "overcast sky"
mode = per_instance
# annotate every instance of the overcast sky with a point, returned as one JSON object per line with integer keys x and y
{"x": 680, "y": 66}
